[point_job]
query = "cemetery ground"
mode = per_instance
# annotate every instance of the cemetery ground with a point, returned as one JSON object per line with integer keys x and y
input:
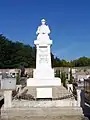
{"x": 54, "y": 113}
{"x": 21, "y": 111}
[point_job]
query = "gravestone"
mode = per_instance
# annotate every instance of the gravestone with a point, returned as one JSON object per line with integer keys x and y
{"x": 7, "y": 85}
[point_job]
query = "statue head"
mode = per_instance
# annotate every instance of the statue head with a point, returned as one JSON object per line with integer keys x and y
{"x": 43, "y": 21}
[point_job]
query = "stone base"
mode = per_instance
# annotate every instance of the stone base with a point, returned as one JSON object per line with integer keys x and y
{"x": 42, "y": 88}
{"x": 7, "y": 98}
{"x": 44, "y": 82}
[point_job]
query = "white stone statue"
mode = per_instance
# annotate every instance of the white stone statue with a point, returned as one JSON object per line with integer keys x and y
{"x": 43, "y": 31}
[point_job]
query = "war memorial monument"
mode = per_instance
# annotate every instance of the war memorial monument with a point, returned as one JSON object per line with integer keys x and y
{"x": 43, "y": 76}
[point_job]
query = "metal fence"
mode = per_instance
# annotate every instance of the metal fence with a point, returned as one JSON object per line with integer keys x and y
{"x": 87, "y": 90}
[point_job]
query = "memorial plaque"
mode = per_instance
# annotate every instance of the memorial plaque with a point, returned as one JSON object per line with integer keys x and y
{"x": 44, "y": 92}
{"x": 8, "y": 83}
{"x": 43, "y": 54}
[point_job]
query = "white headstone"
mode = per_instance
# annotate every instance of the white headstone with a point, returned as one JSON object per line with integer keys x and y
{"x": 7, "y": 99}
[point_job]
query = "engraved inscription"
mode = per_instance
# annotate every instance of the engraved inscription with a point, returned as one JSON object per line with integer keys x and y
{"x": 43, "y": 55}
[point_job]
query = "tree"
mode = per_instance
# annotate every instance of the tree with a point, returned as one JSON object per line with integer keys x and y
{"x": 14, "y": 54}
{"x": 18, "y": 78}
{"x": 52, "y": 60}
{"x": 71, "y": 77}
{"x": 63, "y": 79}
{"x": 57, "y": 62}
{"x": 57, "y": 73}
{"x": 82, "y": 61}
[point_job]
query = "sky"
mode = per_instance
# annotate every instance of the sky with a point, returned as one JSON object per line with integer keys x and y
{"x": 69, "y": 22}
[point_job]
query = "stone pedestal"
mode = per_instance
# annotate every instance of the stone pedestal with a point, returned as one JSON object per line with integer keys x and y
{"x": 70, "y": 87}
{"x": 7, "y": 85}
{"x": 7, "y": 99}
{"x": 79, "y": 98}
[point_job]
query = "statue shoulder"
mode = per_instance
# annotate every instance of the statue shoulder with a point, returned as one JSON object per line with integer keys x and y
{"x": 38, "y": 27}
{"x": 38, "y": 30}
{"x": 47, "y": 26}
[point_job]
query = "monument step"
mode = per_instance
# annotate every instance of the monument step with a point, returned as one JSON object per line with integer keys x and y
{"x": 47, "y": 104}
{"x": 42, "y": 112}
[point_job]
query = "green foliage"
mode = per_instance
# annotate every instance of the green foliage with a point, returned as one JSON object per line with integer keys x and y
{"x": 16, "y": 54}
{"x": 13, "y": 55}
{"x": 18, "y": 78}
{"x": 82, "y": 61}
{"x": 57, "y": 73}
{"x": 63, "y": 79}
{"x": 71, "y": 77}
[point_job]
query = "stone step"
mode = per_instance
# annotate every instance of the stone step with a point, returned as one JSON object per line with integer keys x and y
{"x": 32, "y": 112}
{"x": 44, "y": 103}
